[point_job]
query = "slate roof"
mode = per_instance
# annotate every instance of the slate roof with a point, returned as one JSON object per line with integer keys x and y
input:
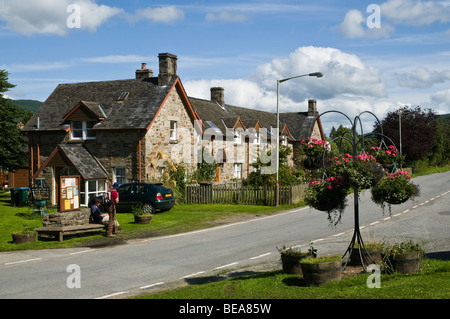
{"x": 138, "y": 110}
{"x": 299, "y": 123}
{"x": 83, "y": 161}
{"x": 135, "y": 112}
{"x": 76, "y": 155}
{"x": 225, "y": 117}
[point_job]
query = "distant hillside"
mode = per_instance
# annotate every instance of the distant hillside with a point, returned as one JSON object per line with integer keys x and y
{"x": 29, "y": 105}
{"x": 445, "y": 117}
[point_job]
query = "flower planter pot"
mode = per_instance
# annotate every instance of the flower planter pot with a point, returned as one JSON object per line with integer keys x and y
{"x": 23, "y": 238}
{"x": 355, "y": 258}
{"x": 408, "y": 263}
{"x": 322, "y": 272}
{"x": 145, "y": 219}
{"x": 291, "y": 264}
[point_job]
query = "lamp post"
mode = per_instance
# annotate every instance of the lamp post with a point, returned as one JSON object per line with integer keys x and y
{"x": 400, "y": 113}
{"x": 316, "y": 74}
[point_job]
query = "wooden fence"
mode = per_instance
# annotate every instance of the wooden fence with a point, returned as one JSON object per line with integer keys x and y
{"x": 207, "y": 193}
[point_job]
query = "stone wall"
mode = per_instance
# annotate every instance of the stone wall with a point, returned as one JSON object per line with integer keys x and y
{"x": 69, "y": 218}
{"x": 158, "y": 148}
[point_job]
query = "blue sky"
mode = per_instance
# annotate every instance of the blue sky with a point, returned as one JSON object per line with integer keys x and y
{"x": 375, "y": 56}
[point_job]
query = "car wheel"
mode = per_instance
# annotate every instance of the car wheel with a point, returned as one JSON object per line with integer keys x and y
{"x": 148, "y": 208}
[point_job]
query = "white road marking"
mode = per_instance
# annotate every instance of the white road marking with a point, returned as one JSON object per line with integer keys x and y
{"x": 152, "y": 285}
{"x": 22, "y": 261}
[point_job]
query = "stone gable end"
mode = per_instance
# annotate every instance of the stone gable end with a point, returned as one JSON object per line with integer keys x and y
{"x": 159, "y": 147}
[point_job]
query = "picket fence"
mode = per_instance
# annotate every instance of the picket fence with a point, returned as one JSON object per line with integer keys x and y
{"x": 209, "y": 193}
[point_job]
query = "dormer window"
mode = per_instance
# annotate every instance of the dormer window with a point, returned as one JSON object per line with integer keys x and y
{"x": 82, "y": 130}
{"x": 256, "y": 139}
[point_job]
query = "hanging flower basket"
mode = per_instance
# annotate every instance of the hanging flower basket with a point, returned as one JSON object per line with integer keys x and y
{"x": 327, "y": 195}
{"x": 314, "y": 151}
{"x": 385, "y": 157}
{"x": 361, "y": 173}
{"x": 394, "y": 189}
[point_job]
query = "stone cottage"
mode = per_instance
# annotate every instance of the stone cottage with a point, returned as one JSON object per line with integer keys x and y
{"x": 127, "y": 130}
{"x": 112, "y": 130}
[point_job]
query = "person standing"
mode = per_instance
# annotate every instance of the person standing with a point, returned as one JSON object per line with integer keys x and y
{"x": 112, "y": 225}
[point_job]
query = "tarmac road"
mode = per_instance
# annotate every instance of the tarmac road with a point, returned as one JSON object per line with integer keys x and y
{"x": 148, "y": 264}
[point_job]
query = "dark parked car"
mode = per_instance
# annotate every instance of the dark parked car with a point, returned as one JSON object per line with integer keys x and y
{"x": 152, "y": 196}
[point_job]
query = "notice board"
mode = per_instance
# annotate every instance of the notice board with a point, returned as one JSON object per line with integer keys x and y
{"x": 69, "y": 193}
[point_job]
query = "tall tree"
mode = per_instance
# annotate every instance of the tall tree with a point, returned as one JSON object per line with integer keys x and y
{"x": 12, "y": 154}
{"x": 418, "y": 131}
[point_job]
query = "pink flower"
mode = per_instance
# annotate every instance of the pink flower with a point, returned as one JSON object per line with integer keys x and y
{"x": 330, "y": 187}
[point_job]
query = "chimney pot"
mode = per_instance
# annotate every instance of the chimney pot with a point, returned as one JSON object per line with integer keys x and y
{"x": 167, "y": 68}
{"x": 143, "y": 72}
{"x": 217, "y": 95}
{"x": 312, "y": 107}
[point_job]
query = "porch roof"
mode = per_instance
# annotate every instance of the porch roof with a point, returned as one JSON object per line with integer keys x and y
{"x": 79, "y": 157}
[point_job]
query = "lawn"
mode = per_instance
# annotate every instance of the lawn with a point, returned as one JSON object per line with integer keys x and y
{"x": 431, "y": 282}
{"x": 181, "y": 218}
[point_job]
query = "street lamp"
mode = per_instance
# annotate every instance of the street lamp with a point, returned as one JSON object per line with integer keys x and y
{"x": 316, "y": 74}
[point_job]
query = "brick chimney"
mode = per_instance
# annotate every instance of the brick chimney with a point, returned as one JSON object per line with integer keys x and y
{"x": 167, "y": 68}
{"x": 217, "y": 95}
{"x": 312, "y": 107}
{"x": 143, "y": 72}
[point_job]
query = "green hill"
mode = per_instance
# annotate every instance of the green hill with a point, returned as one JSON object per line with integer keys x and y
{"x": 29, "y": 105}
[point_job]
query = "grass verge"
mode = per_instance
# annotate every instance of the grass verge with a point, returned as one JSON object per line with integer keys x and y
{"x": 181, "y": 218}
{"x": 431, "y": 282}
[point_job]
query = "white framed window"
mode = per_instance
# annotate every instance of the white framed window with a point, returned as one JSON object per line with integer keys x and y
{"x": 284, "y": 140}
{"x": 82, "y": 130}
{"x": 237, "y": 171}
{"x": 257, "y": 138}
{"x": 173, "y": 130}
{"x": 119, "y": 175}
{"x": 91, "y": 188}
{"x": 237, "y": 137}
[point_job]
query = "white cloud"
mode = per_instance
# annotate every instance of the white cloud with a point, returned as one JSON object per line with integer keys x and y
{"x": 423, "y": 78}
{"x": 413, "y": 12}
{"x": 442, "y": 99}
{"x": 130, "y": 58}
{"x": 343, "y": 74}
{"x": 355, "y": 26}
{"x": 167, "y": 15}
{"x": 30, "y": 17}
{"x": 348, "y": 85}
{"x": 226, "y": 16}
{"x": 394, "y": 12}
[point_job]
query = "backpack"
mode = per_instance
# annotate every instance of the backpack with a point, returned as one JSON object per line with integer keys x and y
{"x": 107, "y": 202}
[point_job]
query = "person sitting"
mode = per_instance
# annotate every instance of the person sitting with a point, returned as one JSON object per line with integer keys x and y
{"x": 100, "y": 218}
{"x": 96, "y": 214}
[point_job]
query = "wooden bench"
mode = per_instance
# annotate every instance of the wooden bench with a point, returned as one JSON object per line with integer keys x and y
{"x": 60, "y": 231}
{"x": 58, "y": 225}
